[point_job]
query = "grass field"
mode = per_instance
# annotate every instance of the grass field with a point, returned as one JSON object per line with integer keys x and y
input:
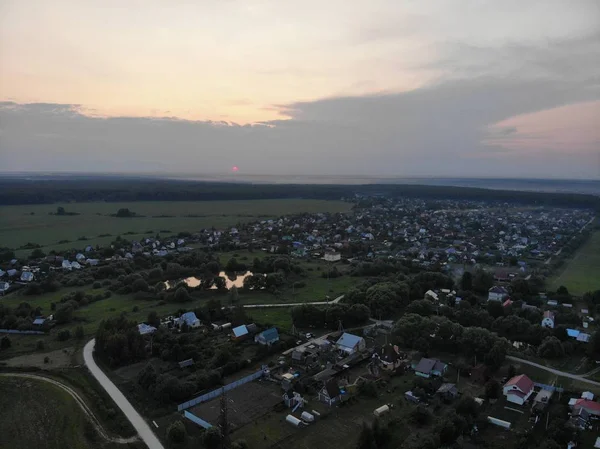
{"x": 20, "y": 225}
{"x": 582, "y": 273}
{"x": 37, "y": 415}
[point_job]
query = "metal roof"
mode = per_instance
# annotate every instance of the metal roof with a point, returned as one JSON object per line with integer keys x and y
{"x": 348, "y": 341}
{"x": 240, "y": 331}
{"x": 270, "y": 334}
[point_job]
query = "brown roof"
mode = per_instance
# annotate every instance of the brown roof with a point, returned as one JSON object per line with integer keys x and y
{"x": 522, "y": 382}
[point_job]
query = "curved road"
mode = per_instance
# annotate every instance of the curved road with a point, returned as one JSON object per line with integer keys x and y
{"x": 554, "y": 371}
{"x": 79, "y": 401}
{"x": 143, "y": 429}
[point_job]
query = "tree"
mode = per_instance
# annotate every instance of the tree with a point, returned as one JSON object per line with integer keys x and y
{"x": 492, "y": 389}
{"x": 562, "y": 290}
{"x": 495, "y": 357}
{"x": 79, "y": 334}
{"x": 153, "y": 319}
{"x": 482, "y": 281}
{"x": 147, "y": 377}
{"x": 37, "y": 254}
{"x": 495, "y": 309}
{"x": 64, "y": 335}
{"x": 139, "y": 285}
{"x": 212, "y": 438}
{"x": 124, "y": 213}
{"x": 60, "y": 210}
{"x": 512, "y": 371}
{"x": 5, "y": 342}
{"x": 421, "y": 415}
{"x": 233, "y": 295}
{"x": 551, "y": 348}
{"x": 181, "y": 295}
{"x": 176, "y": 432}
{"x": 466, "y": 282}
{"x": 63, "y": 314}
{"x": 366, "y": 439}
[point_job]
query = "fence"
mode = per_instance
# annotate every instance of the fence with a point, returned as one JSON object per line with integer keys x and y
{"x": 196, "y": 420}
{"x": 14, "y": 331}
{"x": 549, "y": 387}
{"x": 216, "y": 393}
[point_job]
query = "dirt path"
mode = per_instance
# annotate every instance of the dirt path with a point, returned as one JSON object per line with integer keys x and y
{"x": 95, "y": 422}
{"x": 578, "y": 377}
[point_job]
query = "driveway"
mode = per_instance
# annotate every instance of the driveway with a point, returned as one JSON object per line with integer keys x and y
{"x": 554, "y": 371}
{"x": 143, "y": 429}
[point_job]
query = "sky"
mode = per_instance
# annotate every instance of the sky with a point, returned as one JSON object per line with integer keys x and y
{"x": 475, "y": 88}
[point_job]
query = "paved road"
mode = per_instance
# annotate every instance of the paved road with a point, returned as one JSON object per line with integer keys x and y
{"x": 134, "y": 417}
{"x": 292, "y": 304}
{"x": 554, "y": 371}
{"x": 80, "y": 402}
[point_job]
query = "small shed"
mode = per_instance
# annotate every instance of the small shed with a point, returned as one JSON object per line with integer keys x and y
{"x": 240, "y": 332}
{"x": 267, "y": 337}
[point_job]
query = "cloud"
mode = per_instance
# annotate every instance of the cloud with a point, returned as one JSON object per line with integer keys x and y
{"x": 439, "y": 130}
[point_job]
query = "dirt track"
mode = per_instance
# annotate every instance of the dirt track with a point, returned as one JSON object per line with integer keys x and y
{"x": 96, "y": 423}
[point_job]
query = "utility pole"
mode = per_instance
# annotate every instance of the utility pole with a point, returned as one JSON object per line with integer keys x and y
{"x": 223, "y": 422}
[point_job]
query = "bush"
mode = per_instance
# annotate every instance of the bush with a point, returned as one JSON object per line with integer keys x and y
{"x": 46, "y": 359}
{"x": 64, "y": 335}
{"x": 40, "y": 345}
{"x": 97, "y": 284}
{"x": 79, "y": 334}
{"x": 176, "y": 432}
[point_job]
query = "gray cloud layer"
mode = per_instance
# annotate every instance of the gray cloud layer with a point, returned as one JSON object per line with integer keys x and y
{"x": 433, "y": 131}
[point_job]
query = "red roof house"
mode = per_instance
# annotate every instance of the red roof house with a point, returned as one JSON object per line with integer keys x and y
{"x": 518, "y": 389}
{"x": 593, "y": 408}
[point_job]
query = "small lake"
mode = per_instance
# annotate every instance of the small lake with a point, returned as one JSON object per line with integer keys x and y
{"x": 230, "y": 281}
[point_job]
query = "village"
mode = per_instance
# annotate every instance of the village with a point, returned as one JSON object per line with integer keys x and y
{"x": 430, "y": 316}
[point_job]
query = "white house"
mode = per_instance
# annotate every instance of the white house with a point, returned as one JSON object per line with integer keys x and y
{"x": 518, "y": 389}
{"x": 497, "y": 293}
{"x": 332, "y": 256}
{"x": 548, "y": 320}
{"x": 350, "y": 343}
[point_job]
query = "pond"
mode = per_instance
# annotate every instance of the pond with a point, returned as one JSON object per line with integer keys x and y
{"x": 231, "y": 281}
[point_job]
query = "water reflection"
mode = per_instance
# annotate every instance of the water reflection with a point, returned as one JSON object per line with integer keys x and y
{"x": 235, "y": 280}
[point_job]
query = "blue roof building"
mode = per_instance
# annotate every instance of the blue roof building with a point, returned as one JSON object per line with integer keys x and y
{"x": 573, "y": 333}
{"x": 144, "y": 329}
{"x": 39, "y": 321}
{"x": 190, "y": 319}
{"x": 350, "y": 343}
{"x": 267, "y": 337}
{"x": 240, "y": 331}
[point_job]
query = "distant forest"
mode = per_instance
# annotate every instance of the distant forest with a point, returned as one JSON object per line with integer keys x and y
{"x": 21, "y": 191}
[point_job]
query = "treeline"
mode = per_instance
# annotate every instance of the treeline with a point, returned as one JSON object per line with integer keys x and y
{"x": 329, "y": 317}
{"x": 19, "y": 191}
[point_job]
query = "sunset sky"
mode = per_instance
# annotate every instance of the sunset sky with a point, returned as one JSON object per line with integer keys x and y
{"x": 412, "y": 88}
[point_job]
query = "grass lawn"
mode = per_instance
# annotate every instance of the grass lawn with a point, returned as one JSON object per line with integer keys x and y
{"x": 582, "y": 273}
{"x": 39, "y": 415}
{"x": 279, "y": 317}
{"x": 32, "y": 223}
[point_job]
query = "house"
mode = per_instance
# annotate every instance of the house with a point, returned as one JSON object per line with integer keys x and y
{"x": 430, "y": 294}
{"x": 186, "y": 363}
{"x": 579, "y": 419}
{"x": 11, "y": 273}
{"x": 4, "y": 286}
{"x": 145, "y": 329}
{"x": 350, "y": 344}
{"x": 240, "y": 332}
{"x": 518, "y": 389}
{"x": 332, "y": 256}
{"x": 75, "y": 265}
{"x": 548, "y": 320}
{"x": 430, "y": 367}
{"x": 389, "y": 356}
{"x": 66, "y": 265}
{"x": 190, "y": 319}
{"x": 330, "y": 393}
{"x": 267, "y": 337}
{"x": 410, "y": 397}
{"x": 2, "y": 272}
{"x": 592, "y": 407}
{"x": 497, "y": 293}
{"x": 80, "y": 257}
{"x": 26, "y": 276}
{"x": 447, "y": 391}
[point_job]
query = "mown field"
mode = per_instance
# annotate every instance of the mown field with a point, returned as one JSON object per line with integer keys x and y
{"x": 582, "y": 272}
{"x": 20, "y": 225}
{"x": 37, "y": 415}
